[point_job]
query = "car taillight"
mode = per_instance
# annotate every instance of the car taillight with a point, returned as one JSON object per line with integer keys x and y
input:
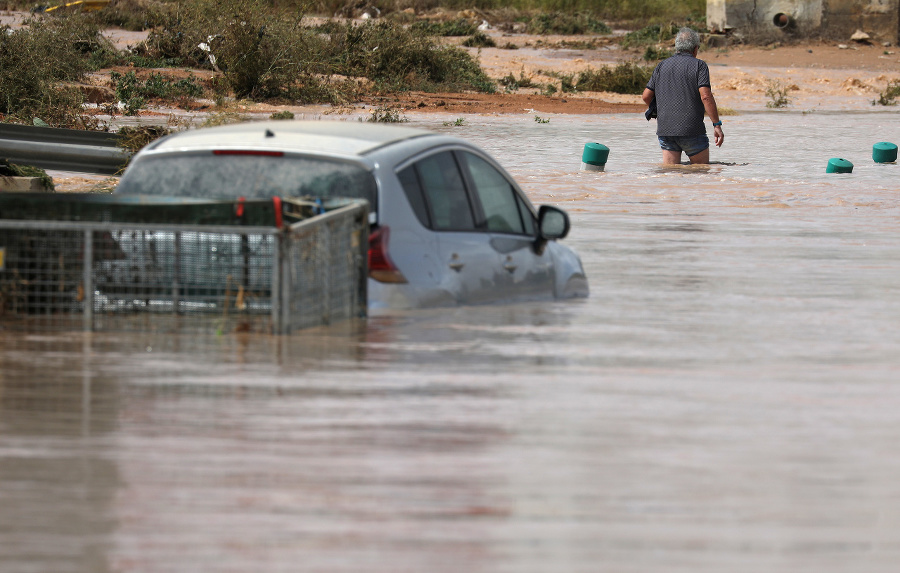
{"x": 381, "y": 268}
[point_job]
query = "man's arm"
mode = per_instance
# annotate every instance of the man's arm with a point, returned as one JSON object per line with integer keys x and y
{"x": 647, "y": 96}
{"x": 712, "y": 110}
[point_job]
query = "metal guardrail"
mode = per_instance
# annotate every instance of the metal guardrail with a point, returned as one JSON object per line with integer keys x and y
{"x": 62, "y": 149}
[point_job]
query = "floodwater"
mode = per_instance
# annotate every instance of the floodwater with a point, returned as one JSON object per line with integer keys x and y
{"x": 727, "y": 399}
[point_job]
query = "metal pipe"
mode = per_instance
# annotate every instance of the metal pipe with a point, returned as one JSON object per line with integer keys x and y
{"x": 783, "y": 21}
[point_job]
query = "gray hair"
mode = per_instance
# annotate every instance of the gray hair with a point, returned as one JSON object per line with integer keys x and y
{"x": 687, "y": 40}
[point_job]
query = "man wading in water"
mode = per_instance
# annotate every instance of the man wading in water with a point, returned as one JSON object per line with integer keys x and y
{"x": 681, "y": 89}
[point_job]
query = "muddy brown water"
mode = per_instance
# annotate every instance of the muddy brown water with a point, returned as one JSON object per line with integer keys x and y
{"x": 727, "y": 399}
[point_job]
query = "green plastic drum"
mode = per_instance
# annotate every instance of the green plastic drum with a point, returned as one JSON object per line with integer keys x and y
{"x": 884, "y": 152}
{"x": 836, "y": 165}
{"x": 594, "y": 156}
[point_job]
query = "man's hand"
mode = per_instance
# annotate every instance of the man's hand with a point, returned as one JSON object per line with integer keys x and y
{"x": 719, "y": 135}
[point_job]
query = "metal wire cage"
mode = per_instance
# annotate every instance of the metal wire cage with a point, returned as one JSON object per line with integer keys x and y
{"x": 231, "y": 276}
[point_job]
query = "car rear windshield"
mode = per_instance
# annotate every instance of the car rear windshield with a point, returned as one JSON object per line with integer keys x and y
{"x": 229, "y": 176}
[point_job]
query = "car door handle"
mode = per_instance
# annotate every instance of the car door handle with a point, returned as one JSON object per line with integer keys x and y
{"x": 455, "y": 263}
{"x": 509, "y": 265}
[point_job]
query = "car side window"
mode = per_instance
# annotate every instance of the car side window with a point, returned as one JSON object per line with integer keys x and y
{"x": 504, "y": 211}
{"x": 409, "y": 179}
{"x": 445, "y": 195}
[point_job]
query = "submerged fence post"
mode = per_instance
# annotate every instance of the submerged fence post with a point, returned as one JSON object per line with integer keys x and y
{"x": 176, "y": 278}
{"x": 88, "y": 280}
{"x": 275, "y": 293}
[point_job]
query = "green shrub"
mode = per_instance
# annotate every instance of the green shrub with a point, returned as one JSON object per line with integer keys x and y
{"x": 654, "y": 34}
{"x": 36, "y": 62}
{"x": 889, "y": 95}
{"x": 135, "y": 138}
{"x": 134, "y": 92}
{"x": 386, "y": 115}
{"x": 264, "y": 54}
{"x": 282, "y": 115}
{"x": 511, "y": 83}
{"x": 566, "y": 81}
{"x": 777, "y": 92}
{"x": 565, "y": 24}
{"x": 134, "y": 14}
{"x": 8, "y": 169}
{"x": 457, "y": 27}
{"x": 479, "y": 40}
{"x": 261, "y": 53}
{"x": 395, "y": 58}
{"x": 654, "y": 54}
{"x": 625, "y": 78}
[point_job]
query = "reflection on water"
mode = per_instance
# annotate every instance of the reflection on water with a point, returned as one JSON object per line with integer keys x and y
{"x": 726, "y": 399}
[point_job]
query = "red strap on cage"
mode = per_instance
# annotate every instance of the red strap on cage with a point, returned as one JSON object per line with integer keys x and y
{"x": 276, "y": 201}
{"x": 239, "y": 208}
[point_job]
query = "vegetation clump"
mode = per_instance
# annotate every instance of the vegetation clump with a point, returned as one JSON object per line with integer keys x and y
{"x": 565, "y": 24}
{"x": 386, "y": 115}
{"x": 134, "y": 138}
{"x": 655, "y": 54}
{"x": 282, "y": 115}
{"x": 625, "y": 78}
{"x": 39, "y": 63}
{"x": 8, "y": 169}
{"x": 134, "y": 92}
{"x": 777, "y": 92}
{"x": 650, "y": 35}
{"x": 267, "y": 51}
{"x": 455, "y": 27}
{"x": 511, "y": 83}
{"x": 479, "y": 40}
{"x": 889, "y": 95}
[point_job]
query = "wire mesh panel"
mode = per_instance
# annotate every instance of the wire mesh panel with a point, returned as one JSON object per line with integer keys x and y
{"x": 325, "y": 268}
{"x": 225, "y": 277}
{"x": 121, "y": 276}
{"x": 41, "y": 277}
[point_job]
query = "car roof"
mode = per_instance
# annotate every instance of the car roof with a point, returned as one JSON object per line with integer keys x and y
{"x": 341, "y": 138}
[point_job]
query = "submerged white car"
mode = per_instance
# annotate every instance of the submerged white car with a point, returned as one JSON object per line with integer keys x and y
{"x": 448, "y": 224}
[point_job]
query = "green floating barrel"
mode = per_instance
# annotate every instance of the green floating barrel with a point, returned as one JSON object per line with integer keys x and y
{"x": 836, "y": 165}
{"x": 884, "y": 152}
{"x": 594, "y": 157}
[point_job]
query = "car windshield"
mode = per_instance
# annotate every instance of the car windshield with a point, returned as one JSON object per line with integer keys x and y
{"x": 229, "y": 176}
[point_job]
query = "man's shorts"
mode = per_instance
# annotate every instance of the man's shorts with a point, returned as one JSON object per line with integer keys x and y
{"x": 690, "y": 144}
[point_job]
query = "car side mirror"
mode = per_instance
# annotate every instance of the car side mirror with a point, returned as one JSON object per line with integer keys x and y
{"x": 553, "y": 223}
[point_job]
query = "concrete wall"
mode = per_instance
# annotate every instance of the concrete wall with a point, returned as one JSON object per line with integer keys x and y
{"x": 832, "y": 18}
{"x": 878, "y": 18}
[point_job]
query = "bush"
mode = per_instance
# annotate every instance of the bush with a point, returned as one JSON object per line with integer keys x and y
{"x": 512, "y": 83}
{"x": 37, "y": 60}
{"x": 133, "y": 139}
{"x": 655, "y": 34}
{"x": 479, "y": 40}
{"x": 395, "y": 58}
{"x": 135, "y": 92}
{"x": 458, "y": 27}
{"x": 262, "y": 54}
{"x": 386, "y": 115}
{"x": 889, "y": 95}
{"x": 8, "y": 169}
{"x": 777, "y": 93}
{"x": 566, "y": 24}
{"x": 654, "y": 54}
{"x": 134, "y": 14}
{"x": 625, "y": 78}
